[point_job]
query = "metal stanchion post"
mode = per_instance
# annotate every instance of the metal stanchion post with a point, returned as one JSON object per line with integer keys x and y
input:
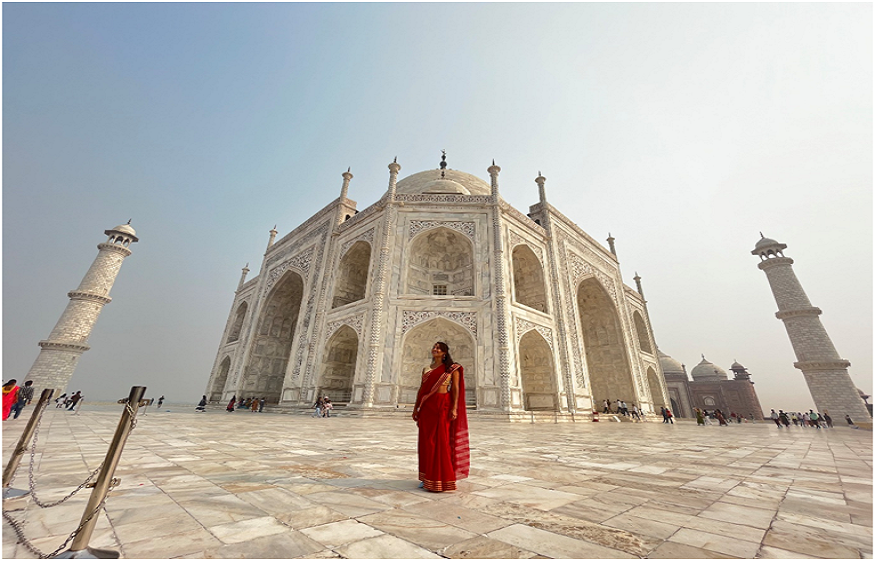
{"x": 79, "y": 548}
{"x": 23, "y": 443}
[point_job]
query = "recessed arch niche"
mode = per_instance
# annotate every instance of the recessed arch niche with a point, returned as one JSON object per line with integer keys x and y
{"x": 352, "y": 275}
{"x": 218, "y": 387}
{"x": 528, "y": 279}
{"x": 440, "y": 261}
{"x": 609, "y": 373}
{"x": 238, "y": 322}
{"x": 272, "y": 344}
{"x": 416, "y": 355}
{"x": 655, "y": 388}
{"x": 641, "y": 330}
{"x": 338, "y": 365}
{"x": 537, "y": 374}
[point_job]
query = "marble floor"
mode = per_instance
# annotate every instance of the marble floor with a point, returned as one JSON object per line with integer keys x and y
{"x": 244, "y": 485}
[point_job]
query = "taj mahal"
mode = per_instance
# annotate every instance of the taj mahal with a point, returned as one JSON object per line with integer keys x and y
{"x": 349, "y": 303}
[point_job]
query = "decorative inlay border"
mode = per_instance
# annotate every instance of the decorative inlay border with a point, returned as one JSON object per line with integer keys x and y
{"x": 524, "y": 326}
{"x": 300, "y": 262}
{"x": 355, "y": 322}
{"x": 422, "y": 198}
{"x": 417, "y": 226}
{"x": 580, "y": 269}
{"x": 410, "y": 319}
{"x": 367, "y": 237}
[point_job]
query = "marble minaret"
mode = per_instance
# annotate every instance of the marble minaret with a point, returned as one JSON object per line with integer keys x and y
{"x": 60, "y": 353}
{"x": 825, "y": 371}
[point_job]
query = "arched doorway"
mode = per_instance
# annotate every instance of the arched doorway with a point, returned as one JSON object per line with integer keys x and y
{"x": 440, "y": 262}
{"x": 528, "y": 279}
{"x": 606, "y": 360}
{"x": 218, "y": 387}
{"x": 338, "y": 365}
{"x": 352, "y": 275}
{"x": 655, "y": 388}
{"x": 238, "y": 322}
{"x": 272, "y": 344}
{"x": 641, "y": 329}
{"x": 416, "y": 354}
{"x": 537, "y": 373}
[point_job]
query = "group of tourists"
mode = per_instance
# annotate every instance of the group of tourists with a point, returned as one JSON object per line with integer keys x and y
{"x": 322, "y": 407}
{"x": 667, "y": 416}
{"x": 704, "y": 417}
{"x": 812, "y": 419}
{"x": 622, "y": 409}
{"x": 16, "y": 398}
{"x": 69, "y": 402}
{"x": 253, "y": 404}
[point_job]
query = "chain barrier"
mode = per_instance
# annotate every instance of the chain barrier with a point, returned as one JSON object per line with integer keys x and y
{"x": 18, "y": 526}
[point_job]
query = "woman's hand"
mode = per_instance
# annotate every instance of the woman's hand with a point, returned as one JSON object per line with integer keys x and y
{"x": 415, "y": 415}
{"x": 453, "y": 414}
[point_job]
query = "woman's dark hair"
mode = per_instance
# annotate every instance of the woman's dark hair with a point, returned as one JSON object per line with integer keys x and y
{"x": 12, "y": 381}
{"x": 448, "y": 360}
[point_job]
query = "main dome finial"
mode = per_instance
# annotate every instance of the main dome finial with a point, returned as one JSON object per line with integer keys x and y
{"x": 443, "y": 159}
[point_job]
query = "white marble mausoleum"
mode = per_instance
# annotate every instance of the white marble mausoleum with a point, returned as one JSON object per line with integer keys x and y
{"x": 349, "y": 304}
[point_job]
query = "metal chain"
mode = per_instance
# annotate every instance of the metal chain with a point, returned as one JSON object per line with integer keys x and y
{"x": 18, "y": 527}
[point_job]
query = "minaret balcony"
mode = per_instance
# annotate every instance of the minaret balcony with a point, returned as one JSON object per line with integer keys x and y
{"x": 114, "y": 247}
{"x": 812, "y": 311}
{"x": 64, "y": 346}
{"x": 823, "y": 365}
{"x": 773, "y": 261}
{"x": 78, "y": 295}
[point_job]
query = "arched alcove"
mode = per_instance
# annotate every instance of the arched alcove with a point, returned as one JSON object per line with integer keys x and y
{"x": 218, "y": 387}
{"x": 606, "y": 360}
{"x": 416, "y": 355}
{"x": 537, "y": 373}
{"x": 528, "y": 279}
{"x": 641, "y": 329}
{"x": 352, "y": 275}
{"x": 338, "y": 365}
{"x": 655, "y": 388}
{"x": 238, "y": 322}
{"x": 440, "y": 262}
{"x": 269, "y": 356}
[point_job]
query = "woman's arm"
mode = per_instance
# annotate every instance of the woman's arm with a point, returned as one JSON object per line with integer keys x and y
{"x": 454, "y": 395}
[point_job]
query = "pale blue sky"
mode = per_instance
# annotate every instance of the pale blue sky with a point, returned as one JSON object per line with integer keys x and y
{"x": 683, "y": 129}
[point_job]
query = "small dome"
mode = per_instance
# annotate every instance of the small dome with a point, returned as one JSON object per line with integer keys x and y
{"x": 453, "y": 181}
{"x": 670, "y": 365}
{"x": 737, "y": 366}
{"x": 707, "y": 371}
{"x": 765, "y": 242}
{"x": 125, "y": 229}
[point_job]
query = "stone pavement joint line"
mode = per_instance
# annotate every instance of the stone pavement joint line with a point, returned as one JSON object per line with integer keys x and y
{"x": 220, "y": 485}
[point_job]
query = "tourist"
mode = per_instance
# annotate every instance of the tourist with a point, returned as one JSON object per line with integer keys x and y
{"x": 795, "y": 419}
{"x": 635, "y": 412}
{"x": 74, "y": 400}
{"x": 814, "y": 418}
{"x": 625, "y": 409}
{"x": 160, "y": 402}
{"x": 253, "y": 405}
{"x": 607, "y": 406}
{"x": 442, "y": 419}
{"x": 61, "y": 401}
{"x": 669, "y": 416}
{"x": 326, "y": 407}
{"x": 826, "y": 418}
{"x": 847, "y": 418}
{"x": 25, "y": 396}
{"x": 784, "y": 419}
{"x": 261, "y": 405}
{"x": 774, "y": 416}
{"x": 202, "y": 405}
{"x": 664, "y": 416}
{"x": 230, "y": 408}
{"x": 10, "y": 397}
{"x": 700, "y": 418}
{"x": 318, "y": 407}
{"x": 721, "y": 418}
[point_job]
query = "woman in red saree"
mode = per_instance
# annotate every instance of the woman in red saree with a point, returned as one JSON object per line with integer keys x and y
{"x": 443, "y": 423}
{"x": 10, "y": 396}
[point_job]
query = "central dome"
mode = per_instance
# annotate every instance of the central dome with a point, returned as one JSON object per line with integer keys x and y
{"x": 707, "y": 371}
{"x": 453, "y": 182}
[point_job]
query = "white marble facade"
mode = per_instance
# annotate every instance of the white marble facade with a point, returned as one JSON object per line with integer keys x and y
{"x": 350, "y": 303}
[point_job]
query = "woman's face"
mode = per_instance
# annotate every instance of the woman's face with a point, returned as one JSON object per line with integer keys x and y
{"x": 437, "y": 353}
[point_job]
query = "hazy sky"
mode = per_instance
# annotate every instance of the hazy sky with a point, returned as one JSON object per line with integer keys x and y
{"x": 682, "y": 129}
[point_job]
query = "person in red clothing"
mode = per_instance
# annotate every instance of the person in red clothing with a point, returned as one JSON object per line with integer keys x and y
{"x": 10, "y": 397}
{"x": 440, "y": 414}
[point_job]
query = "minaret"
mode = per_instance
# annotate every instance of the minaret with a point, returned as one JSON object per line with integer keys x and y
{"x": 344, "y": 189}
{"x": 60, "y": 353}
{"x": 825, "y": 371}
{"x": 273, "y": 234}
{"x": 243, "y": 276}
{"x": 501, "y": 311}
{"x": 611, "y": 244}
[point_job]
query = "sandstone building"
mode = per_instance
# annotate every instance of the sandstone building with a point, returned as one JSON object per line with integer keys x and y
{"x": 709, "y": 389}
{"x": 349, "y": 304}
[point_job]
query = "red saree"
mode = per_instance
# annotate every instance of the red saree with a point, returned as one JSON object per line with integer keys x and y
{"x": 444, "y": 457}
{"x": 10, "y": 396}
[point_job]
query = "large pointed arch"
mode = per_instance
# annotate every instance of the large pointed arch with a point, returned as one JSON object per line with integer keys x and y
{"x": 416, "y": 354}
{"x": 528, "y": 279}
{"x": 234, "y": 334}
{"x": 338, "y": 365}
{"x": 272, "y": 344}
{"x": 537, "y": 373}
{"x": 352, "y": 275}
{"x": 440, "y": 261}
{"x": 656, "y": 394}
{"x": 606, "y": 359}
{"x": 217, "y": 389}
